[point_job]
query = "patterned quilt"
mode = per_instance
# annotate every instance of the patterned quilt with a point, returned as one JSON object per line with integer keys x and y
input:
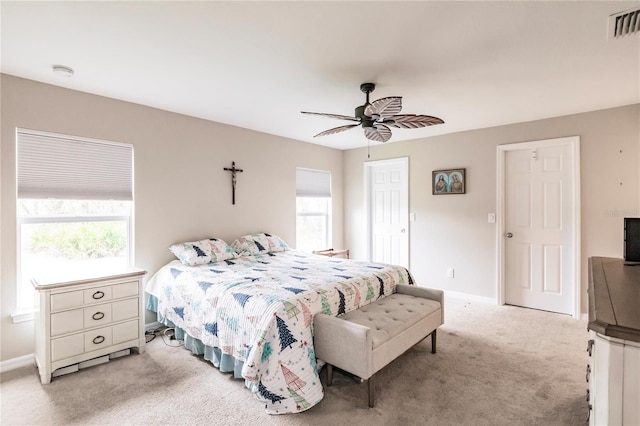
{"x": 259, "y": 309}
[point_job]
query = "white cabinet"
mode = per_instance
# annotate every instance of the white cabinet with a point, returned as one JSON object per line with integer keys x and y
{"x": 614, "y": 385}
{"x": 82, "y": 318}
{"x": 614, "y": 343}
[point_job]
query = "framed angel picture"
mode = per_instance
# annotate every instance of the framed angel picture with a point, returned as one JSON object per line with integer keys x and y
{"x": 451, "y": 181}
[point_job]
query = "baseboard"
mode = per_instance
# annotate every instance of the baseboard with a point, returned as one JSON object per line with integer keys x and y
{"x": 26, "y": 360}
{"x": 14, "y": 363}
{"x": 473, "y": 298}
{"x": 469, "y": 297}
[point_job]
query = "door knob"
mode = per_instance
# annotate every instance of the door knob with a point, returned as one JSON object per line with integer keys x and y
{"x": 403, "y": 230}
{"x": 509, "y": 235}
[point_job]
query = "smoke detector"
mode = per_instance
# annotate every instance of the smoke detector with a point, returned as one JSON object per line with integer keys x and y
{"x": 62, "y": 71}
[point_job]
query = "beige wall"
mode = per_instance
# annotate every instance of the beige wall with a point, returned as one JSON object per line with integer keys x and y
{"x": 181, "y": 190}
{"x": 182, "y": 193}
{"x": 452, "y": 231}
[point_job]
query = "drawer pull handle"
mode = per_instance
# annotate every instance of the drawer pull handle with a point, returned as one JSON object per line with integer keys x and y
{"x": 588, "y": 371}
{"x": 98, "y": 294}
{"x": 98, "y": 316}
{"x": 98, "y": 339}
{"x": 590, "y": 346}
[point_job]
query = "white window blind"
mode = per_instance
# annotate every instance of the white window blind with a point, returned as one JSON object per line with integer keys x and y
{"x": 313, "y": 183}
{"x": 67, "y": 167}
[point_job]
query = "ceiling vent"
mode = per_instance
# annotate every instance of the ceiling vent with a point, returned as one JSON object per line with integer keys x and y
{"x": 624, "y": 23}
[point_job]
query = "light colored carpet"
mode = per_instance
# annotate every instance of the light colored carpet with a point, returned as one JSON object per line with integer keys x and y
{"x": 495, "y": 366}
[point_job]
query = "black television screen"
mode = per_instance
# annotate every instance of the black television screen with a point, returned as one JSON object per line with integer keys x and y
{"x": 632, "y": 240}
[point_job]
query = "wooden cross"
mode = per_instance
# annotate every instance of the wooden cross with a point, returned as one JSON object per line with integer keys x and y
{"x": 233, "y": 171}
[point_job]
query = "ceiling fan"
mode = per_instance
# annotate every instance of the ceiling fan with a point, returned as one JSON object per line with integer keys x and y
{"x": 376, "y": 116}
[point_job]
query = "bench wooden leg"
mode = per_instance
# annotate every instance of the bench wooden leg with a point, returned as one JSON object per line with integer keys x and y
{"x": 433, "y": 341}
{"x": 329, "y": 374}
{"x": 371, "y": 391}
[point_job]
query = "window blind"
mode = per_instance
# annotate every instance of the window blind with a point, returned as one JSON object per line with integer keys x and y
{"x": 313, "y": 183}
{"x": 67, "y": 167}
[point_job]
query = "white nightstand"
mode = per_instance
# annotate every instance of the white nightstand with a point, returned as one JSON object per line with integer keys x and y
{"x": 82, "y": 319}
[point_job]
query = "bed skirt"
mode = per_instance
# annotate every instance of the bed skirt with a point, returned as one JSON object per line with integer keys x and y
{"x": 224, "y": 362}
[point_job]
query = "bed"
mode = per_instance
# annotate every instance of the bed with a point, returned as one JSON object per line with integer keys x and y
{"x": 248, "y": 309}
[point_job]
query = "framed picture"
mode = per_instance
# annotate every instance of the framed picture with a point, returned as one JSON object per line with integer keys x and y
{"x": 451, "y": 181}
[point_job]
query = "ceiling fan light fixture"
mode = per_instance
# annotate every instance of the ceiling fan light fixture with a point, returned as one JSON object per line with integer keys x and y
{"x": 375, "y": 116}
{"x": 62, "y": 71}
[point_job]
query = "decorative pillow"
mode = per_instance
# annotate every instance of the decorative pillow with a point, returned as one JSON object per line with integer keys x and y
{"x": 204, "y": 251}
{"x": 258, "y": 243}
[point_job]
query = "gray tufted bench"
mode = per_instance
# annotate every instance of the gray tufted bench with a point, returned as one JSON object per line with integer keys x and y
{"x": 364, "y": 340}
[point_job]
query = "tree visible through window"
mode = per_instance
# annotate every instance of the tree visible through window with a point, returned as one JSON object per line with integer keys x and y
{"x": 74, "y": 207}
{"x": 59, "y": 235}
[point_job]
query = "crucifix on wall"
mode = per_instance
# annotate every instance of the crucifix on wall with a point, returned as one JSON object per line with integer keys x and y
{"x": 233, "y": 171}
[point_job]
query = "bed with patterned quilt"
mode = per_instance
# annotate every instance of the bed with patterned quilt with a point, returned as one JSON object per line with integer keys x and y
{"x": 248, "y": 309}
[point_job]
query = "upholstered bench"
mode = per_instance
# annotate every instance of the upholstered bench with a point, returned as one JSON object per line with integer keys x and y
{"x": 363, "y": 341}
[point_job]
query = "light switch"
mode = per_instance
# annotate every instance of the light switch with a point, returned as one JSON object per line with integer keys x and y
{"x": 492, "y": 218}
{"x": 412, "y": 217}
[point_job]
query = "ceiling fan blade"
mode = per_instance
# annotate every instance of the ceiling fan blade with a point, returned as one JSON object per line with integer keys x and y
{"x": 411, "y": 121}
{"x": 336, "y": 130}
{"x": 384, "y": 106}
{"x": 378, "y": 133}
{"x": 338, "y": 116}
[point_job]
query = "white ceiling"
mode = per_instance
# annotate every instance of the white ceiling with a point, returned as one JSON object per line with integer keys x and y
{"x": 258, "y": 64}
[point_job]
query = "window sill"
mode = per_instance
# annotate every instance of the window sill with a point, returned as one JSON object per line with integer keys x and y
{"x": 23, "y": 316}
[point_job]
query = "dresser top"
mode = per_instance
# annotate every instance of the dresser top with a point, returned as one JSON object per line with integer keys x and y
{"x": 614, "y": 298}
{"x": 49, "y": 280}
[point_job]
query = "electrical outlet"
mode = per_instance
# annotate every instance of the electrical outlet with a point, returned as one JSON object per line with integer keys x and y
{"x": 450, "y": 272}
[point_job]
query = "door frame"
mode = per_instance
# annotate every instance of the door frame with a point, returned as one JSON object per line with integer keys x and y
{"x": 368, "y": 167}
{"x": 574, "y": 143}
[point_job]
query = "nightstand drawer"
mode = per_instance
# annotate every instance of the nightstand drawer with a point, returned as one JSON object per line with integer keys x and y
{"x": 97, "y": 294}
{"x": 66, "y": 347}
{"x": 125, "y": 309}
{"x": 126, "y": 331}
{"x": 77, "y": 344}
{"x": 125, "y": 290}
{"x": 66, "y": 322}
{"x": 97, "y": 339}
{"x": 72, "y": 299}
{"x": 97, "y": 315}
{"x": 67, "y": 300}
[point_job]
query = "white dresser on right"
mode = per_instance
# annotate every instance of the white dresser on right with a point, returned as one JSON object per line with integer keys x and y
{"x": 613, "y": 371}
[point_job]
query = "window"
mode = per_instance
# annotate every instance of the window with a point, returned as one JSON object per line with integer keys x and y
{"x": 313, "y": 209}
{"x": 74, "y": 206}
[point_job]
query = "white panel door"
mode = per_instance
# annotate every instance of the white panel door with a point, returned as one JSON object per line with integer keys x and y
{"x": 388, "y": 211}
{"x": 539, "y": 252}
